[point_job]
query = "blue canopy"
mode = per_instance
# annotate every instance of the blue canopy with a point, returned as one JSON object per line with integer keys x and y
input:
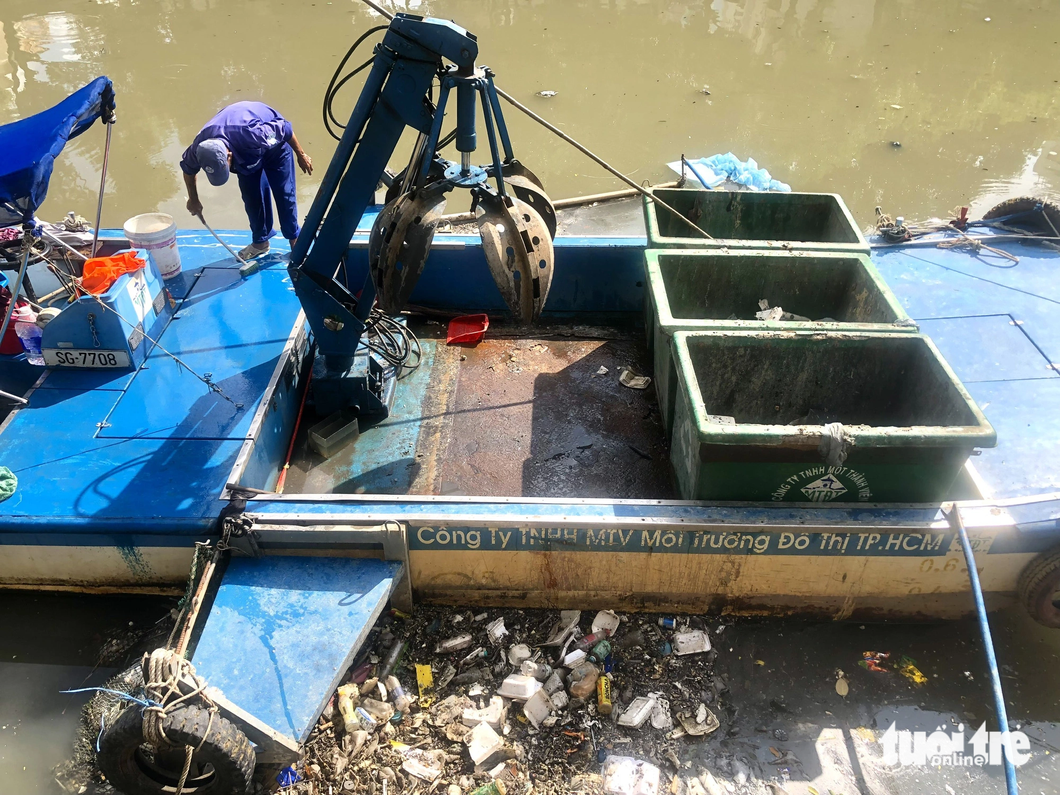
{"x": 28, "y": 147}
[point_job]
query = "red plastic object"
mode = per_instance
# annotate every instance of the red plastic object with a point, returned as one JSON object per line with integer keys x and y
{"x": 11, "y": 344}
{"x": 467, "y": 329}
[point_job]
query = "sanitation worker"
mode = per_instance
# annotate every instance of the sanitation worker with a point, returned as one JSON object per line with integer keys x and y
{"x": 259, "y": 145}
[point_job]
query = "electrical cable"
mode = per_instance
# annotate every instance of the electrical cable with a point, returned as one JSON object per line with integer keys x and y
{"x": 392, "y": 341}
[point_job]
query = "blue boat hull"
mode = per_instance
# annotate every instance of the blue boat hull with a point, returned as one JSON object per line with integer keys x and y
{"x": 121, "y": 473}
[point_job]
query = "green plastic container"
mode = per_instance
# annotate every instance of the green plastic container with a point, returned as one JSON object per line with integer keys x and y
{"x": 752, "y": 406}
{"x": 703, "y": 290}
{"x": 746, "y": 219}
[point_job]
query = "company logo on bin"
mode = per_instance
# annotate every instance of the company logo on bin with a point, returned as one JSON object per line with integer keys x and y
{"x": 823, "y": 484}
{"x": 824, "y": 489}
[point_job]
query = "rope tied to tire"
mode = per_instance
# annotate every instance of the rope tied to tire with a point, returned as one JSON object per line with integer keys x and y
{"x": 170, "y": 681}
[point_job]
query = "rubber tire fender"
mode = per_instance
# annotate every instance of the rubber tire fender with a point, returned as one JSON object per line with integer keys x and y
{"x": 1038, "y": 583}
{"x": 1026, "y": 205}
{"x": 226, "y": 749}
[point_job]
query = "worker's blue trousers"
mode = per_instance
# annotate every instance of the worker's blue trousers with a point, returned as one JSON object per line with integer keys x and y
{"x": 274, "y": 179}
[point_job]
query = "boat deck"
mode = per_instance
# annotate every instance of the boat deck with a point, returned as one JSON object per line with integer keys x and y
{"x": 518, "y": 416}
{"x": 514, "y": 416}
{"x": 998, "y": 325}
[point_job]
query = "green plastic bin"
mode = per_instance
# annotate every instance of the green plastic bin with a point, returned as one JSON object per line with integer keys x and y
{"x": 746, "y": 219}
{"x": 752, "y": 406}
{"x": 703, "y": 290}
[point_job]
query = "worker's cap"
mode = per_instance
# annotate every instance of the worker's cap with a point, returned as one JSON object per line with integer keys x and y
{"x": 213, "y": 157}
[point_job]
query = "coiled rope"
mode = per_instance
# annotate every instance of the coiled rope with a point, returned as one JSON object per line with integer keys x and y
{"x": 170, "y": 680}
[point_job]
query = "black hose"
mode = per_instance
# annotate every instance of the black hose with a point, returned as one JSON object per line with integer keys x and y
{"x": 329, "y": 94}
{"x": 329, "y": 100}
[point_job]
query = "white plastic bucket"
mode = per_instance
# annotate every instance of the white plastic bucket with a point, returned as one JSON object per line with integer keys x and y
{"x": 157, "y": 233}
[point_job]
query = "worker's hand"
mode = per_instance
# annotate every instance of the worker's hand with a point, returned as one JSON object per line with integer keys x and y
{"x": 195, "y": 207}
{"x": 305, "y": 162}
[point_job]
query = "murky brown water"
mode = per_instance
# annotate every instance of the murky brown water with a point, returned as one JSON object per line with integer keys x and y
{"x": 807, "y": 88}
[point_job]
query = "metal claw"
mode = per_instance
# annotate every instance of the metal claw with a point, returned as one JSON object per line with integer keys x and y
{"x": 514, "y": 168}
{"x": 533, "y": 194}
{"x": 518, "y": 249}
{"x": 400, "y": 242}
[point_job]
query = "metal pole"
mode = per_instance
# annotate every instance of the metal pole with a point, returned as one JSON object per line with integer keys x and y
{"x": 102, "y": 185}
{"x": 953, "y": 516}
{"x": 600, "y": 161}
{"x": 13, "y": 398}
{"x": 379, "y": 9}
{"x": 27, "y": 244}
{"x": 231, "y": 251}
{"x": 73, "y": 251}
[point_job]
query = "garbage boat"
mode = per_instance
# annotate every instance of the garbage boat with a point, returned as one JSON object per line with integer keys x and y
{"x": 734, "y": 413}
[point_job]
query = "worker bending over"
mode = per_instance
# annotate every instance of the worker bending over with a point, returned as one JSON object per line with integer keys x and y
{"x": 259, "y": 145}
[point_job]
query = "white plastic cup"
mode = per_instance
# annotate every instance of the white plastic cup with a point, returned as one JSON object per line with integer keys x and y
{"x": 157, "y": 234}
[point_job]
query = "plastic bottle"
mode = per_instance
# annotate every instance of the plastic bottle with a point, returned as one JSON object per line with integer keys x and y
{"x": 601, "y": 651}
{"x": 397, "y": 695}
{"x": 589, "y": 641}
{"x": 380, "y": 711}
{"x": 604, "y": 705}
{"x": 349, "y": 698}
{"x": 583, "y": 680}
{"x": 539, "y": 670}
{"x": 668, "y": 623}
{"x": 390, "y": 663}
{"x": 29, "y": 334}
{"x": 495, "y": 787}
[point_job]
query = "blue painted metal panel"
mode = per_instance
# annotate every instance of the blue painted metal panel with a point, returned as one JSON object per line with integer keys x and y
{"x": 488, "y": 509}
{"x": 134, "y": 310}
{"x": 1026, "y": 416}
{"x": 277, "y": 425}
{"x": 85, "y": 380}
{"x": 593, "y": 275}
{"x": 70, "y": 480}
{"x": 124, "y": 537}
{"x": 937, "y": 283}
{"x": 282, "y": 632}
{"x": 17, "y": 376}
{"x": 383, "y": 459}
{"x": 232, "y": 328}
{"x": 987, "y": 348}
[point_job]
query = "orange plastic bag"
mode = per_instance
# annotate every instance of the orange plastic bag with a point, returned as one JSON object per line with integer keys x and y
{"x": 100, "y": 273}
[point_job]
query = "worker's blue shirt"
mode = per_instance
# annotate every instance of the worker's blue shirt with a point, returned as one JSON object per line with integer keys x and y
{"x": 249, "y": 130}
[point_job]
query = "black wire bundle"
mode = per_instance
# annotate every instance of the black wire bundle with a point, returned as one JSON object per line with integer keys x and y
{"x": 393, "y": 341}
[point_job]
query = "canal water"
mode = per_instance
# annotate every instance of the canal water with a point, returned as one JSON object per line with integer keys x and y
{"x": 780, "y": 676}
{"x": 918, "y": 107}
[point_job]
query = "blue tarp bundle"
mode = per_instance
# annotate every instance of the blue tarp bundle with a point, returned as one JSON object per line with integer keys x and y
{"x": 28, "y": 148}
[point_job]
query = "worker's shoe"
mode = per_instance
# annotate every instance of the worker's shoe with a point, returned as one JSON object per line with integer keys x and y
{"x": 254, "y": 250}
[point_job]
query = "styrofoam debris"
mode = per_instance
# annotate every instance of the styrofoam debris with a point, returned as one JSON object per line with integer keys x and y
{"x": 518, "y": 687}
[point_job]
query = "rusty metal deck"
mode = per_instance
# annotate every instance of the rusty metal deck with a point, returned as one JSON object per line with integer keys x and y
{"x": 542, "y": 416}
